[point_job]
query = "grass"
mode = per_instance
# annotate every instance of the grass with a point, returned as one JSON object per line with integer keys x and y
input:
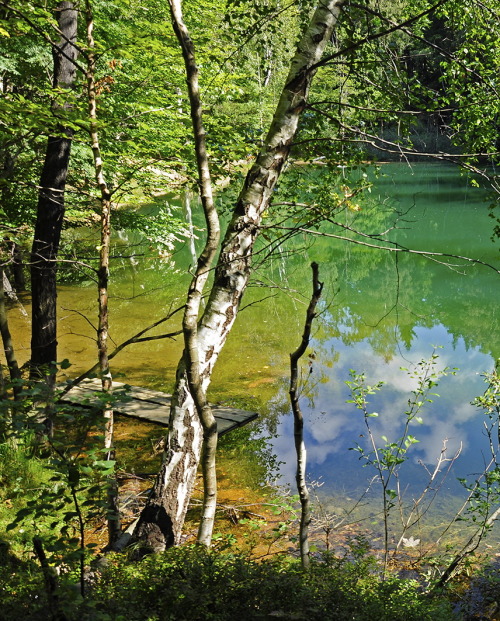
{"x": 184, "y": 583}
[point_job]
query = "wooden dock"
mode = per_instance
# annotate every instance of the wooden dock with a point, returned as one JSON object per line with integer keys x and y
{"x": 151, "y": 405}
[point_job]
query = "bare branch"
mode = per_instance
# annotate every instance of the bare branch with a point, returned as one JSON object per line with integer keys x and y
{"x": 298, "y": 419}
{"x": 396, "y": 247}
{"x": 133, "y": 339}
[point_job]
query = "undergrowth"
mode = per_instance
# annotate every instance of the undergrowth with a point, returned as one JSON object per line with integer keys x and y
{"x": 192, "y": 583}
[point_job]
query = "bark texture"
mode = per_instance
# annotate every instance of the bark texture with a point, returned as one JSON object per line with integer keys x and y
{"x": 50, "y": 209}
{"x": 162, "y": 519}
{"x": 191, "y": 362}
{"x": 190, "y": 396}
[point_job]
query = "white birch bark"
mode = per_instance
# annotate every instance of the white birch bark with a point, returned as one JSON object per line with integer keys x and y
{"x": 191, "y": 357}
{"x": 298, "y": 420}
{"x": 102, "y": 276}
{"x": 161, "y": 521}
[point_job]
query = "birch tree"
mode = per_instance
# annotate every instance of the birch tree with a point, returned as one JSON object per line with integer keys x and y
{"x": 161, "y": 521}
{"x": 105, "y": 197}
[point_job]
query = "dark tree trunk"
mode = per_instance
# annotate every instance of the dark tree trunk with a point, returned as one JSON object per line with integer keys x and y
{"x": 298, "y": 420}
{"x": 50, "y": 210}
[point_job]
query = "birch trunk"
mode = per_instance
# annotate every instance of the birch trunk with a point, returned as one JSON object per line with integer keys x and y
{"x": 298, "y": 421}
{"x": 8, "y": 345}
{"x": 102, "y": 277}
{"x": 192, "y": 351}
{"x": 161, "y": 521}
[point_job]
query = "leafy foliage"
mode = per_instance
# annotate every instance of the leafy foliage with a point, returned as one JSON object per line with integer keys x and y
{"x": 386, "y": 459}
{"x": 57, "y": 489}
{"x": 193, "y": 583}
{"x": 484, "y": 491}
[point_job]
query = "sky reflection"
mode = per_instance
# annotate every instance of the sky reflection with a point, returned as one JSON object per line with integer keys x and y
{"x": 333, "y": 426}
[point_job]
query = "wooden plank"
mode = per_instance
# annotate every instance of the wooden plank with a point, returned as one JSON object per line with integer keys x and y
{"x": 136, "y": 392}
{"x": 226, "y": 420}
{"x": 152, "y": 405}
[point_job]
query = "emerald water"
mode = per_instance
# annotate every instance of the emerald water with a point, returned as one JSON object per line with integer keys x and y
{"x": 380, "y": 311}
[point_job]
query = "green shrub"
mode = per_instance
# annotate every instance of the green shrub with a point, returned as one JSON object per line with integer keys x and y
{"x": 193, "y": 584}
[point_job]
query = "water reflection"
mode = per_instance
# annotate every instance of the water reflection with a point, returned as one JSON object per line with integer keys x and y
{"x": 392, "y": 311}
{"x": 333, "y": 426}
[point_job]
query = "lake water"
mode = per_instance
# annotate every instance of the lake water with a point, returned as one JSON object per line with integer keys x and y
{"x": 380, "y": 311}
{"x": 388, "y": 311}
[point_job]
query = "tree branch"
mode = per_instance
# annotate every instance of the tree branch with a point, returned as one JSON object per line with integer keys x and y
{"x": 378, "y": 35}
{"x": 394, "y": 248}
{"x": 133, "y": 339}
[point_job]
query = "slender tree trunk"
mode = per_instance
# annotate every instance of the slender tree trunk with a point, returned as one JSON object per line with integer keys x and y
{"x": 191, "y": 384}
{"x": 3, "y": 397}
{"x": 11, "y": 153}
{"x": 102, "y": 277}
{"x": 161, "y": 521}
{"x": 8, "y": 346}
{"x": 192, "y": 350}
{"x": 50, "y": 210}
{"x": 298, "y": 421}
{"x": 11, "y": 294}
{"x": 16, "y": 267}
{"x": 50, "y": 580}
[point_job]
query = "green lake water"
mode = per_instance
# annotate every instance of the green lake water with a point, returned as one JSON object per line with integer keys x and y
{"x": 380, "y": 311}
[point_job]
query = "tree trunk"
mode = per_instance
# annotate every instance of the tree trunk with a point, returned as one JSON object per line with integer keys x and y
{"x": 16, "y": 267}
{"x": 102, "y": 278}
{"x": 197, "y": 386}
{"x": 8, "y": 346}
{"x": 161, "y": 521}
{"x": 189, "y": 371}
{"x": 50, "y": 210}
{"x": 50, "y": 580}
{"x": 298, "y": 421}
{"x": 11, "y": 294}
